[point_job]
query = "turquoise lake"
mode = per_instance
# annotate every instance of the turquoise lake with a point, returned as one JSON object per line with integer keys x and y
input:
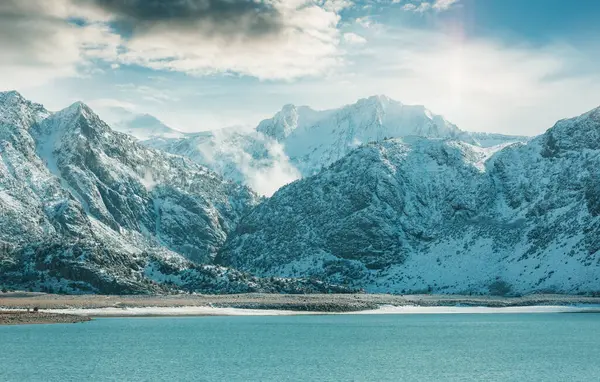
{"x": 462, "y": 347}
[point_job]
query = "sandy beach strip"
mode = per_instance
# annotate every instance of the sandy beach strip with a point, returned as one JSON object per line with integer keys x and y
{"x": 178, "y": 311}
{"x": 214, "y": 311}
{"x": 276, "y": 304}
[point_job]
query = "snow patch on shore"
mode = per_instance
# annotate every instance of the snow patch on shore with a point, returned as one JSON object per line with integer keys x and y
{"x": 174, "y": 311}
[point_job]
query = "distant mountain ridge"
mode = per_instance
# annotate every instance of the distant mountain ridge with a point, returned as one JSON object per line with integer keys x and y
{"x": 146, "y": 126}
{"x": 300, "y": 141}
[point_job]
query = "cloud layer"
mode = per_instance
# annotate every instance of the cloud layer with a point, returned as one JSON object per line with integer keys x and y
{"x": 234, "y": 18}
{"x": 267, "y": 39}
{"x": 323, "y": 53}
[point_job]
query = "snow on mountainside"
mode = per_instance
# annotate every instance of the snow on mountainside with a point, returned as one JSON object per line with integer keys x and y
{"x": 300, "y": 141}
{"x": 289, "y": 119}
{"x": 318, "y": 139}
{"x": 103, "y": 169}
{"x": 17, "y": 111}
{"x": 406, "y": 202}
{"x": 84, "y": 208}
{"x": 414, "y": 214}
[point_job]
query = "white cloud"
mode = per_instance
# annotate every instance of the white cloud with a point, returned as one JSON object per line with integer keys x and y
{"x": 478, "y": 83}
{"x": 148, "y": 93}
{"x": 353, "y": 38}
{"x": 306, "y": 46}
{"x": 337, "y": 5}
{"x": 265, "y": 174}
{"x": 305, "y": 43}
{"x": 268, "y": 178}
{"x": 39, "y": 44}
{"x": 424, "y": 6}
{"x": 442, "y": 5}
{"x": 364, "y": 22}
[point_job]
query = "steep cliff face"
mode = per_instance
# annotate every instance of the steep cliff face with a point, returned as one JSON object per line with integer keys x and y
{"x": 425, "y": 214}
{"x": 127, "y": 186}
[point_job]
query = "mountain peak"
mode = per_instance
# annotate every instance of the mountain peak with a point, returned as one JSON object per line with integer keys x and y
{"x": 593, "y": 114}
{"x": 10, "y": 95}
{"x": 581, "y": 132}
{"x": 78, "y": 117}
{"x": 289, "y": 108}
{"x": 379, "y": 98}
{"x": 16, "y": 110}
{"x": 77, "y": 108}
{"x": 378, "y": 101}
{"x": 282, "y": 124}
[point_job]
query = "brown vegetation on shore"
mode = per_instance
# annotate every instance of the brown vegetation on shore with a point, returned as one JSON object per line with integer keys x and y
{"x": 22, "y": 317}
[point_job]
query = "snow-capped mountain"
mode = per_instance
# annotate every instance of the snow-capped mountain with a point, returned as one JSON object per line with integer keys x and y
{"x": 313, "y": 139}
{"x": 300, "y": 141}
{"x": 146, "y": 126}
{"x": 103, "y": 169}
{"x": 290, "y": 118}
{"x": 84, "y": 208}
{"x": 416, "y": 214}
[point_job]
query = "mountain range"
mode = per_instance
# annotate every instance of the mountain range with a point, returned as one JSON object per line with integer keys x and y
{"x": 377, "y": 195}
{"x": 87, "y": 209}
{"x": 299, "y": 141}
{"x": 415, "y": 214}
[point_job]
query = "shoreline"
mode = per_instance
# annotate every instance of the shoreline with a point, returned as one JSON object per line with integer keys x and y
{"x": 61, "y": 308}
{"x": 195, "y": 311}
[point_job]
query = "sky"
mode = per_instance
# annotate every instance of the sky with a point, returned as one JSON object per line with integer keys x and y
{"x": 507, "y": 66}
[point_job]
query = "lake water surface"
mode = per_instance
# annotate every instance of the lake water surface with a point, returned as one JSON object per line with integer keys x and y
{"x": 461, "y": 347}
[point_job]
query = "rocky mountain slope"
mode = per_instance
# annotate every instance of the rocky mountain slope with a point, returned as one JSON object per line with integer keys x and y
{"x": 84, "y": 208}
{"x": 415, "y": 214}
{"x": 300, "y": 141}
